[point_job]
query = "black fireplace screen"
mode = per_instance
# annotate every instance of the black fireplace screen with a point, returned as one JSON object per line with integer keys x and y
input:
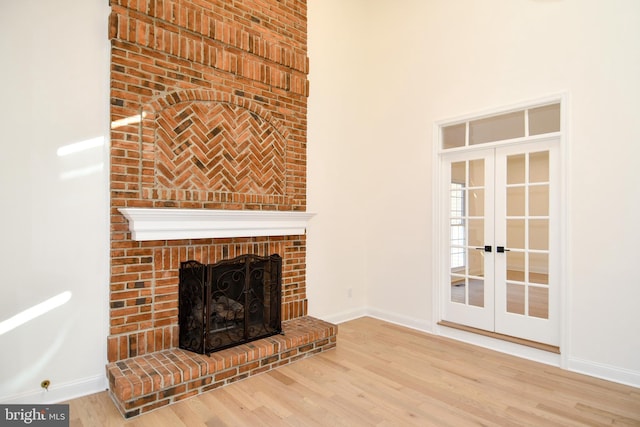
{"x": 229, "y": 303}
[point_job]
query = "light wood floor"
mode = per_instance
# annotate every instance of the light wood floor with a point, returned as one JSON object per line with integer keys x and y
{"x": 385, "y": 375}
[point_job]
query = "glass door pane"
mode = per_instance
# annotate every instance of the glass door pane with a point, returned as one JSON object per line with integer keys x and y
{"x": 469, "y": 269}
{"x": 527, "y": 233}
{"x": 524, "y": 224}
{"x": 467, "y": 209}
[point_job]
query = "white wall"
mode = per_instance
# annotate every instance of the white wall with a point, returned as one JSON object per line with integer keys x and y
{"x": 54, "y": 208}
{"x": 337, "y": 154}
{"x": 382, "y": 73}
{"x": 422, "y": 61}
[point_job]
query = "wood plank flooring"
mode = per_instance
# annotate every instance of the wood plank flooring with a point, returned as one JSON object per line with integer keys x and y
{"x": 381, "y": 374}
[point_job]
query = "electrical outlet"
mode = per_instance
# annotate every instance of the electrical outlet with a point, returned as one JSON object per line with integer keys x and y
{"x": 349, "y": 292}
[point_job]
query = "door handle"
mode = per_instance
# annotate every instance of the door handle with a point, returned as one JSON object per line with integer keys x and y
{"x": 501, "y": 249}
{"x": 487, "y": 248}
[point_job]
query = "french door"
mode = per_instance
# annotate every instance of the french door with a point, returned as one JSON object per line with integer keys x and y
{"x": 502, "y": 246}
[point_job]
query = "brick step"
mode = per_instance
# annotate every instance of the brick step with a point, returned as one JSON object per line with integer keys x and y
{"x": 144, "y": 383}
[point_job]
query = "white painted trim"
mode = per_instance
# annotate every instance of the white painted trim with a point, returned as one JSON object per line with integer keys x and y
{"x": 605, "y": 372}
{"x": 437, "y": 301}
{"x": 502, "y": 143}
{"x": 343, "y": 316}
{"x": 171, "y": 224}
{"x": 517, "y": 106}
{"x": 565, "y": 186}
{"x": 565, "y": 229}
{"x": 398, "y": 319}
{"x": 502, "y": 346}
{"x": 61, "y": 392}
{"x": 387, "y": 316}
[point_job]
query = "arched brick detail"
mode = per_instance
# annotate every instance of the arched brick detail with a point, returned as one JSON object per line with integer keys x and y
{"x": 191, "y": 95}
{"x": 210, "y": 145}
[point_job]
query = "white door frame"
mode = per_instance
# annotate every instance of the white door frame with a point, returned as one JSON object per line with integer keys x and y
{"x": 564, "y": 256}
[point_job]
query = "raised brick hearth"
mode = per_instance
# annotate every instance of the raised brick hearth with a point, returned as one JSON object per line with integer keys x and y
{"x": 209, "y": 112}
{"x": 144, "y": 383}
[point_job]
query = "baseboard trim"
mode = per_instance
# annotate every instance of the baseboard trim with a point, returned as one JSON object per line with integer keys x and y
{"x": 342, "y": 317}
{"x": 387, "y": 316}
{"x": 514, "y": 349}
{"x": 406, "y": 321}
{"x": 605, "y": 372}
{"x": 61, "y": 392}
{"x": 521, "y": 341}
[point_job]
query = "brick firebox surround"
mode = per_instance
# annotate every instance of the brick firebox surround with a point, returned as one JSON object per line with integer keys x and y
{"x": 208, "y": 110}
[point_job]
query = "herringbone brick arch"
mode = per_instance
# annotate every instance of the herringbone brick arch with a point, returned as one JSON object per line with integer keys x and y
{"x": 218, "y": 147}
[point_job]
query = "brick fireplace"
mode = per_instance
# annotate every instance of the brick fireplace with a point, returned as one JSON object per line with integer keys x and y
{"x": 208, "y": 110}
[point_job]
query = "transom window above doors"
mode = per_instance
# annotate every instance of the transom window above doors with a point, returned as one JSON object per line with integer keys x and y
{"x": 499, "y": 218}
{"x": 523, "y": 123}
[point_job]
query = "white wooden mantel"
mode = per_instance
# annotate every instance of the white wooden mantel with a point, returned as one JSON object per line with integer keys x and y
{"x": 174, "y": 224}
